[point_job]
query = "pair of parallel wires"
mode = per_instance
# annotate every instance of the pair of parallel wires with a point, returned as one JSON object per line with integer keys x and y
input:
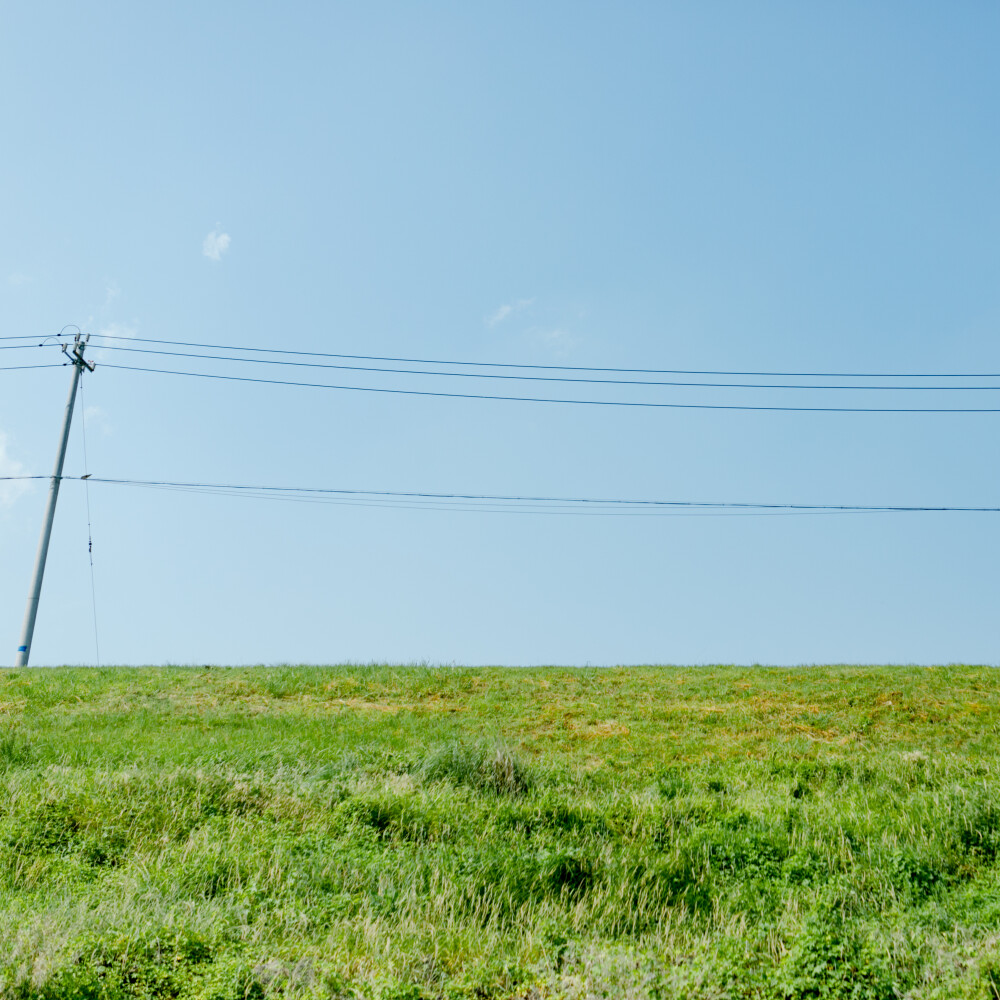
{"x": 503, "y": 503}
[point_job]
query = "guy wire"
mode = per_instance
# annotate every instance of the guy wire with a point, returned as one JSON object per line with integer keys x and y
{"x": 90, "y": 534}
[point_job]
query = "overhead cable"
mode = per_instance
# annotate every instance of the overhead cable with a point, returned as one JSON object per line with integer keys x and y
{"x": 513, "y": 498}
{"x": 545, "y": 378}
{"x": 21, "y": 368}
{"x": 575, "y": 368}
{"x": 538, "y": 367}
{"x": 548, "y": 399}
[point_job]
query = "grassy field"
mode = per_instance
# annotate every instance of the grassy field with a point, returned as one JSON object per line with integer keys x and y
{"x": 415, "y": 833}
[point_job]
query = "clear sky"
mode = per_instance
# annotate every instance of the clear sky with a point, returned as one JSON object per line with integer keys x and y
{"x": 765, "y": 187}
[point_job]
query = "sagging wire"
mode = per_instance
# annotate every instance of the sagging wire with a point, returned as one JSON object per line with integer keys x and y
{"x": 90, "y": 533}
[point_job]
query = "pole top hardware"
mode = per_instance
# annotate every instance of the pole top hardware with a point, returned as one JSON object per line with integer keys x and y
{"x": 76, "y": 354}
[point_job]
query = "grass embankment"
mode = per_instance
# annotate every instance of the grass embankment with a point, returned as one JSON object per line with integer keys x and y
{"x": 408, "y": 833}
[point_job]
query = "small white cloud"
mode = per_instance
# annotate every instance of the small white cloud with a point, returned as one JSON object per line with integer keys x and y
{"x": 111, "y": 292}
{"x": 507, "y": 309}
{"x": 215, "y": 245}
{"x": 18, "y": 278}
{"x": 10, "y": 490}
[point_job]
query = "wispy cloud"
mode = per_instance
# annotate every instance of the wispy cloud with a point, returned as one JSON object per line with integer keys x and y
{"x": 95, "y": 416}
{"x": 116, "y": 333}
{"x": 215, "y": 245}
{"x": 10, "y": 491}
{"x": 557, "y": 341}
{"x": 119, "y": 330}
{"x": 507, "y": 310}
{"x": 18, "y": 278}
{"x": 111, "y": 292}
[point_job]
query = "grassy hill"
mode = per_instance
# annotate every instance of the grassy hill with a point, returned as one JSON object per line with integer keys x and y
{"x": 392, "y": 832}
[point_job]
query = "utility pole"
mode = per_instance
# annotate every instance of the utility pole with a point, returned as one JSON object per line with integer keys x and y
{"x": 75, "y": 355}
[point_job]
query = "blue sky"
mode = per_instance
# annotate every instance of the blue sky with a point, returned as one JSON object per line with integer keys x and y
{"x": 714, "y": 186}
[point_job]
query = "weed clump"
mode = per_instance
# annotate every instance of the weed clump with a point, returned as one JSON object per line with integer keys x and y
{"x": 484, "y": 766}
{"x": 833, "y": 959}
{"x": 16, "y": 750}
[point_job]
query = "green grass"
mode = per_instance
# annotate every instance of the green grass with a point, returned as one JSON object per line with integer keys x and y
{"x": 409, "y": 833}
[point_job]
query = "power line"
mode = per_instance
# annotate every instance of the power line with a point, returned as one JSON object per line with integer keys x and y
{"x": 21, "y": 368}
{"x": 295, "y": 492}
{"x": 536, "y": 367}
{"x": 575, "y": 402}
{"x": 489, "y": 508}
{"x": 548, "y": 378}
{"x": 574, "y": 368}
{"x": 62, "y": 332}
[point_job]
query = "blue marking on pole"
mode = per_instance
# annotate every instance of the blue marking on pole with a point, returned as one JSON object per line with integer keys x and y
{"x": 22, "y": 649}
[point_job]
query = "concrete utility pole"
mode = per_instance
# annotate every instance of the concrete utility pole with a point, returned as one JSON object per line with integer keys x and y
{"x": 75, "y": 355}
